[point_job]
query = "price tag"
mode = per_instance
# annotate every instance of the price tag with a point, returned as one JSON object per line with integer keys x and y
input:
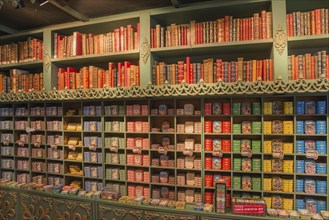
{"x": 137, "y": 151}
{"x": 114, "y": 149}
{"x": 72, "y": 146}
{"x": 92, "y": 147}
{"x": 162, "y": 150}
{"x": 246, "y": 153}
{"x": 28, "y": 130}
{"x": 20, "y": 143}
{"x": 312, "y": 154}
{"x": 217, "y": 153}
{"x": 36, "y": 144}
{"x": 53, "y": 146}
{"x": 188, "y": 152}
{"x": 278, "y": 154}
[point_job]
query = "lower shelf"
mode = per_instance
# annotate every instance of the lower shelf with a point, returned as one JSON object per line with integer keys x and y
{"x": 25, "y": 204}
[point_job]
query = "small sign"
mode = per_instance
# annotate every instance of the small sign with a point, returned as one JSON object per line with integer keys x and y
{"x": 312, "y": 154}
{"x": 278, "y": 154}
{"x": 20, "y": 143}
{"x": 246, "y": 153}
{"x": 92, "y": 147}
{"x": 162, "y": 150}
{"x": 114, "y": 149}
{"x": 29, "y": 130}
{"x": 53, "y": 146}
{"x": 137, "y": 151}
{"x": 188, "y": 152}
{"x": 72, "y": 146}
{"x": 217, "y": 153}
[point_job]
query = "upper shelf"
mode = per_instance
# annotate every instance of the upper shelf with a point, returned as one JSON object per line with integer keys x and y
{"x": 35, "y": 65}
{"x": 308, "y": 41}
{"x": 209, "y": 11}
{"x": 98, "y": 58}
{"x": 305, "y": 5}
{"x": 214, "y": 48}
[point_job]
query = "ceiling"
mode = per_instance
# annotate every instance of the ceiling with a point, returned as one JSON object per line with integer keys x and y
{"x": 34, "y": 16}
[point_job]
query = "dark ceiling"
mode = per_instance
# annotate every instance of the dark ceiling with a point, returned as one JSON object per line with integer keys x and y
{"x": 35, "y": 16}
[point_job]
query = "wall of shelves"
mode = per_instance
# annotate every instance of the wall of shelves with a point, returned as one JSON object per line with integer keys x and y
{"x": 123, "y": 162}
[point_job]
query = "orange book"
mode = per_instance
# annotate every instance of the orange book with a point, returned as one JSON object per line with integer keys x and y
{"x": 296, "y": 67}
{"x": 126, "y": 73}
{"x": 254, "y": 70}
{"x": 240, "y": 68}
{"x": 61, "y": 79}
{"x": 70, "y": 72}
{"x": 85, "y": 73}
{"x": 327, "y": 64}
{"x": 312, "y": 67}
{"x": 271, "y": 69}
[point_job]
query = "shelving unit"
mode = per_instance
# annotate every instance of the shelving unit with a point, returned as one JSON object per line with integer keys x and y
{"x": 155, "y": 138}
{"x": 116, "y": 120}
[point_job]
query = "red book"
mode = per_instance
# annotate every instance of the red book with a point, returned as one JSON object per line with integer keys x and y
{"x": 312, "y": 67}
{"x": 200, "y": 33}
{"x": 327, "y": 62}
{"x": 261, "y": 69}
{"x": 296, "y": 68}
{"x": 317, "y": 22}
{"x": 85, "y": 73}
{"x": 180, "y": 71}
{"x": 119, "y": 73}
{"x": 109, "y": 82}
{"x": 137, "y": 74}
{"x": 138, "y": 36}
{"x": 77, "y": 44}
{"x": 229, "y": 72}
{"x": 290, "y": 25}
{"x": 67, "y": 80}
{"x": 151, "y": 35}
{"x": 192, "y": 79}
{"x": 188, "y": 72}
{"x": 271, "y": 70}
{"x": 219, "y": 75}
{"x": 249, "y": 29}
{"x": 248, "y": 72}
{"x": 264, "y": 71}
{"x": 226, "y": 29}
{"x": 70, "y": 72}
{"x": 126, "y": 73}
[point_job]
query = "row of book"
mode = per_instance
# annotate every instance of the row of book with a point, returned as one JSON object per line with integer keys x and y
{"x": 77, "y": 44}
{"x": 26, "y": 51}
{"x": 124, "y": 74}
{"x": 20, "y": 80}
{"x": 222, "y": 30}
{"x": 308, "y": 66}
{"x": 308, "y": 23}
{"x": 212, "y": 71}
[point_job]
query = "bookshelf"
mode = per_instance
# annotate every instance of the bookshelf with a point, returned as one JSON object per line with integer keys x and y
{"x": 125, "y": 129}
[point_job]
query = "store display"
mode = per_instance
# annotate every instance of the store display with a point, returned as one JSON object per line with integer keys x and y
{"x": 152, "y": 151}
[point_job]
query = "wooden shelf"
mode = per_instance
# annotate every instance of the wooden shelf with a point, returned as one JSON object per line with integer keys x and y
{"x": 308, "y": 41}
{"x": 215, "y": 48}
{"x": 36, "y": 66}
{"x": 97, "y": 58}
